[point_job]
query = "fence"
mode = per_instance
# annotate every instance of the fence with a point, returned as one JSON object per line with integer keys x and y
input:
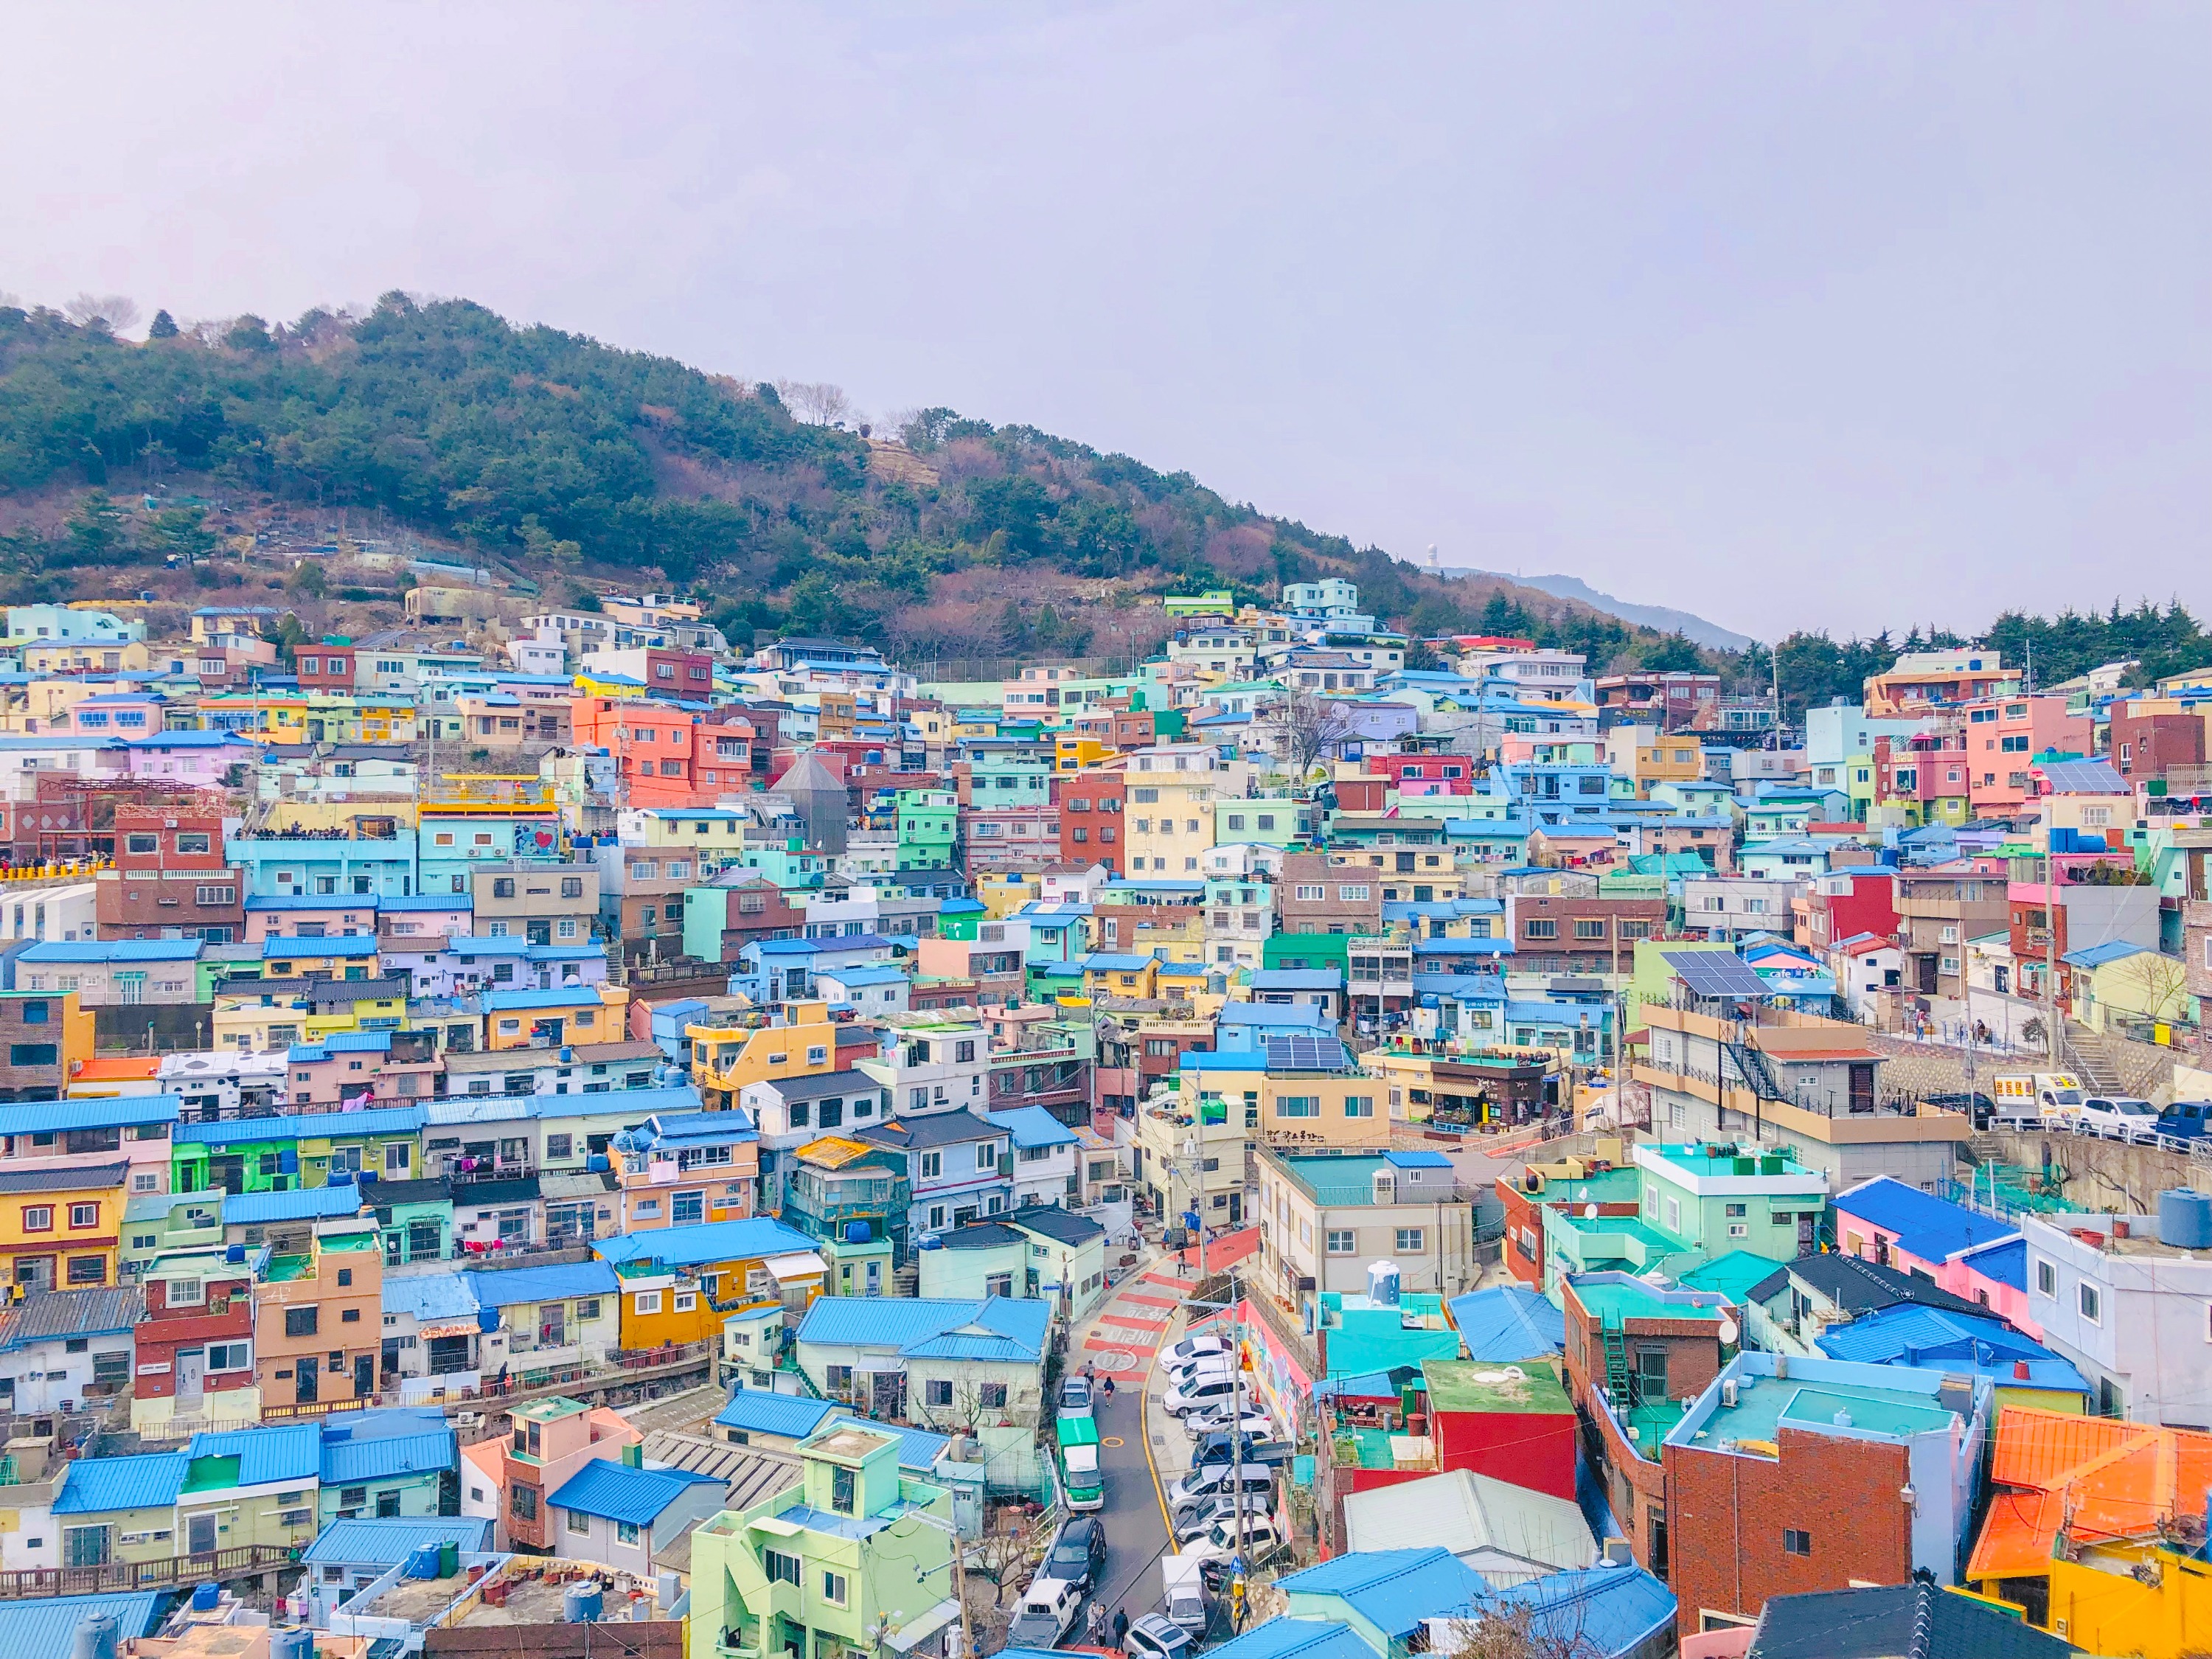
{"x": 246, "y": 1561}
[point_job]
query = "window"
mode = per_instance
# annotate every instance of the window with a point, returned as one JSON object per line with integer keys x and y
{"x": 1411, "y": 1240}
{"x": 1297, "y": 1106}
{"x": 2087, "y": 1298}
{"x": 625, "y": 1532}
{"x": 2046, "y": 1279}
{"x": 649, "y": 1302}
{"x": 987, "y": 1156}
{"x": 1359, "y": 1106}
{"x": 933, "y": 1165}
{"x": 1354, "y": 895}
{"x": 992, "y": 1396}
{"x": 938, "y": 1391}
{"x": 844, "y": 1490}
{"x": 1796, "y": 1542}
{"x": 579, "y": 1522}
{"x": 38, "y": 1218}
{"x": 1536, "y": 928}
{"x": 523, "y": 1501}
{"x": 32, "y": 1054}
{"x": 1343, "y": 1240}
{"x": 833, "y": 1584}
{"x": 779, "y": 1567}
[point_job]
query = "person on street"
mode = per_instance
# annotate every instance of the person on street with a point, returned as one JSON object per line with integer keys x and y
{"x": 1120, "y": 1626}
{"x": 1107, "y": 1388}
{"x": 1095, "y": 1625}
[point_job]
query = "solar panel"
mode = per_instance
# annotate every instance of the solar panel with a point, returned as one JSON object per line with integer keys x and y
{"x": 1718, "y": 974}
{"x": 1304, "y": 1054}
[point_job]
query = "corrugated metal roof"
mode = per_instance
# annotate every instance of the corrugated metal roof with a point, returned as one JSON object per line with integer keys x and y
{"x": 85, "y": 1178}
{"x": 143, "y": 1481}
{"x": 869, "y": 1321}
{"x": 1611, "y": 1609}
{"x": 557, "y": 1283}
{"x": 383, "y": 1457}
{"x": 1279, "y": 1638}
{"x": 709, "y": 1241}
{"x": 121, "y": 1111}
{"x": 306, "y": 1204}
{"x": 756, "y": 1411}
{"x": 43, "y": 1316}
{"x": 1394, "y": 1589}
{"x": 273, "y": 1452}
{"x": 304, "y": 1126}
{"x": 1462, "y": 1512}
{"x": 433, "y": 1296}
{"x": 42, "y": 1627}
{"x": 580, "y": 996}
{"x": 1507, "y": 1323}
{"x": 117, "y": 950}
{"x": 1033, "y": 1126}
{"x": 615, "y": 1492}
{"x": 1928, "y": 1227}
{"x": 386, "y": 1540}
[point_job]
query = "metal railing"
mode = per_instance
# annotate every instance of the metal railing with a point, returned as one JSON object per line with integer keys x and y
{"x": 247, "y": 1560}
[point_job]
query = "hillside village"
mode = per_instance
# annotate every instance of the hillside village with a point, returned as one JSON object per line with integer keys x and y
{"x": 544, "y": 1123}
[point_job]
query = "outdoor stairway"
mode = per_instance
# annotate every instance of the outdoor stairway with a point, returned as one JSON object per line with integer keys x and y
{"x": 1616, "y": 1366}
{"x": 1751, "y": 1065}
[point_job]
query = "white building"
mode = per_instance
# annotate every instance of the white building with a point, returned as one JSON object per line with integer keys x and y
{"x": 2133, "y": 1313}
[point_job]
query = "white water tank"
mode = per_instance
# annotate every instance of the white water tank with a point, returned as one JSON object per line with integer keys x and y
{"x": 1382, "y": 1283}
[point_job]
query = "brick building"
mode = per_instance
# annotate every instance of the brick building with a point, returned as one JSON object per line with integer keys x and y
{"x": 45, "y": 1038}
{"x": 2143, "y": 747}
{"x": 324, "y": 667}
{"x": 171, "y": 880}
{"x": 1090, "y": 807}
{"x": 1558, "y": 934}
{"x": 1318, "y": 894}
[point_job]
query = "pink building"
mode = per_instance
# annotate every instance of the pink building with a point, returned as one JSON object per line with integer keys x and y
{"x": 2002, "y": 734}
{"x": 1900, "y": 1226}
{"x": 1995, "y": 1275}
{"x": 204, "y": 758}
{"x": 310, "y": 918}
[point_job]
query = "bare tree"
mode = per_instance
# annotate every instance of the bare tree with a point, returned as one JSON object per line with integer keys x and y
{"x": 119, "y": 311}
{"x": 1306, "y": 726}
{"x": 816, "y": 401}
{"x": 1519, "y": 1632}
{"x": 2163, "y": 980}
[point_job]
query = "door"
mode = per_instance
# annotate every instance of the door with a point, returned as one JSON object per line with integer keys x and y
{"x": 538, "y": 932}
{"x": 1807, "y": 1238}
{"x": 364, "y": 1376}
{"x": 192, "y": 1378}
{"x": 228, "y": 1173}
{"x": 875, "y": 1276}
{"x": 199, "y": 1534}
{"x": 34, "y": 1272}
{"x": 306, "y": 1380}
{"x": 552, "y": 1324}
{"x": 887, "y": 1395}
{"x": 129, "y": 989}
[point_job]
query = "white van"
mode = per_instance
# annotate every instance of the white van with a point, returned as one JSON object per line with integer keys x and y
{"x": 1183, "y": 1598}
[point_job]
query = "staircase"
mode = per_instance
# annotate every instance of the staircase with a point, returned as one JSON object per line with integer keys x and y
{"x": 1616, "y": 1366}
{"x": 1751, "y": 1065}
{"x": 907, "y": 1280}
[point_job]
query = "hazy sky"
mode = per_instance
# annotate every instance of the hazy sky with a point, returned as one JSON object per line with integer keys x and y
{"x": 1836, "y": 314}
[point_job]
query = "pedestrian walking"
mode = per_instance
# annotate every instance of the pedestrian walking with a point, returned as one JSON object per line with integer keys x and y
{"x": 1108, "y": 1389}
{"x": 1121, "y": 1627}
{"x": 1096, "y": 1625}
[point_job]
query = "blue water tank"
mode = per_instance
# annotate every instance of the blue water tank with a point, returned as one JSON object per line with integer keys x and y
{"x": 598, "y": 1163}
{"x": 856, "y": 1233}
{"x": 233, "y": 1252}
{"x": 581, "y": 1604}
{"x": 423, "y": 1562}
{"x": 288, "y": 1162}
{"x": 1382, "y": 1283}
{"x": 205, "y": 1597}
{"x": 96, "y": 1637}
{"x": 296, "y": 1644}
{"x": 2184, "y": 1219}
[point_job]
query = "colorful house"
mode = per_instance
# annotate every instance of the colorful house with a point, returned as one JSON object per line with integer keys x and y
{"x": 678, "y": 1283}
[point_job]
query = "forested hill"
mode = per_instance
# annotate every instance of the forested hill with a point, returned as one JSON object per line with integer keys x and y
{"x": 562, "y": 457}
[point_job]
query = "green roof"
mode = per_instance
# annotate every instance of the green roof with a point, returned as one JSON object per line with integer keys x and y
{"x": 1732, "y": 1275}
{"x": 211, "y": 1475}
{"x": 1528, "y": 1386}
{"x": 1761, "y": 1409}
{"x": 1632, "y": 1299}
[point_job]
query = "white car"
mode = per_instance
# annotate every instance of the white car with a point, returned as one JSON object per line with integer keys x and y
{"x": 1048, "y": 1608}
{"x": 1214, "y": 1420}
{"x": 1197, "y": 1393}
{"x": 1195, "y": 1347}
{"x": 2117, "y": 1117}
{"x": 1212, "y": 1364}
{"x": 1260, "y": 1541}
{"x": 1197, "y": 1525}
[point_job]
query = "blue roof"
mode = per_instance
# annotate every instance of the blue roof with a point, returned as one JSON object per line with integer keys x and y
{"x": 49, "y": 1625}
{"x": 1606, "y": 1611}
{"x": 1928, "y": 1227}
{"x": 281, "y": 1451}
{"x": 1033, "y": 1126}
{"x": 343, "y": 945}
{"x": 355, "y": 902}
{"x": 1507, "y": 1323}
{"x": 2005, "y": 1261}
{"x": 554, "y": 1284}
{"x": 918, "y": 1449}
{"x": 432, "y": 1296}
{"x": 1392, "y": 1589}
{"x": 2096, "y": 956}
{"x": 113, "y": 950}
{"x": 141, "y": 1481}
{"x": 304, "y": 1126}
{"x": 312, "y": 1204}
{"x": 500, "y": 1001}
{"x": 756, "y": 1411}
{"x": 1294, "y": 1639}
{"x": 45, "y": 1117}
{"x": 383, "y": 1457}
{"x": 388, "y": 1540}
{"x": 615, "y": 1492}
{"x": 998, "y": 1328}
{"x": 1939, "y": 1339}
{"x": 1417, "y": 1160}
{"x": 706, "y": 1241}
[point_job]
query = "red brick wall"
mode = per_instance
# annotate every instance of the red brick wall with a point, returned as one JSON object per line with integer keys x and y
{"x": 1727, "y": 1515}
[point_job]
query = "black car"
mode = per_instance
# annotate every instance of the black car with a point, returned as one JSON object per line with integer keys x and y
{"x": 1078, "y": 1549}
{"x": 1979, "y": 1107}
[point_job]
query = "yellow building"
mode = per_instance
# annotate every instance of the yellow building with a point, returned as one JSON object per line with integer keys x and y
{"x": 1116, "y": 975}
{"x": 574, "y": 1013}
{"x": 1647, "y": 755}
{"x": 59, "y": 1228}
{"x": 1168, "y": 817}
{"x": 680, "y": 1283}
{"x": 794, "y": 1040}
{"x": 259, "y": 1016}
{"x": 1072, "y": 752}
{"x": 90, "y": 656}
{"x": 1002, "y": 893}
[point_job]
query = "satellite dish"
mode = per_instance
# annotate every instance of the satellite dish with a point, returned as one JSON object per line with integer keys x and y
{"x": 1728, "y": 1332}
{"x": 1590, "y": 1211}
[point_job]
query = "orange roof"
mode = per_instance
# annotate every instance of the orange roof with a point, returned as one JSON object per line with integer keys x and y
{"x": 122, "y": 1068}
{"x": 2098, "y": 1479}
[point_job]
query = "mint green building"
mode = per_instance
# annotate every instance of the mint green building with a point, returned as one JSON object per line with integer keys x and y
{"x": 851, "y": 1553}
{"x": 928, "y": 827}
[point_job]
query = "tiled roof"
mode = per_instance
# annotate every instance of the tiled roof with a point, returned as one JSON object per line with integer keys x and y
{"x": 85, "y": 1178}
